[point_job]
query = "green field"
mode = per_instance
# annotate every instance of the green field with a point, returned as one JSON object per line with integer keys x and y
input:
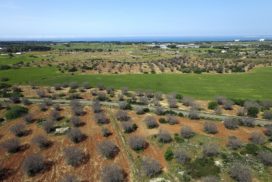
{"x": 252, "y": 85}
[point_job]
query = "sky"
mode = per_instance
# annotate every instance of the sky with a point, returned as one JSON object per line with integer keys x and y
{"x": 118, "y": 18}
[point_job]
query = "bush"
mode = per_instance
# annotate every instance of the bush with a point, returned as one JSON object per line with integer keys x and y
{"x": 267, "y": 115}
{"x": 228, "y": 105}
{"x": 220, "y": 100}
{"x": 151, "y": 122}
{"x": 172, "y": 120}
{"x": 210, "y": 128}
{"x": 77, "y": 108}
{"x": 168, "y": 155}
{"x": 187, "y": 101}
{"x": 193, "y": 114}
{"x": 106, "y": 132}
{"x": 70, "y": 178}
{"x": 212, "y": 105}
{"x": 12, "y": 145}
{"x": 122, "y": 116}
{"x": 48, "y": 126}
{"x": 172, "y": 102}
{"x": 18, "y": 130}
{"x": 43, "y": 107}
{"x": 265, "y": 157}
{"x": 240, "y": 173}
{"x": 257, "y": 138}
{"x": 249, "y": 122}
{"x": 137, "y": 143}
{"x": 163, "y": 121}
{"x": 140, "y": 110}
{"x": 159, "y": 111}
{"x": 187, "y": 132}
{"x": 101, "y": 118}
{"x": 231, "y": 123}
{"x": 268, "y": 130}
{"x": 164, "y": 136}
{"x": 33, "y": 164}
{"x": 201, "y": 167}
{"x": 26, "y": 102}
{"x": 124, "y": 105}
{"x": 108, "y": 149}
{"x": 129, "y": 127}
{"x": 234, "y": 143}
{"x": 253, "y": 112}
{"x": 16, "y": 112}
{"x": 97, "y": 107}
{"x": 28, "y": 118}
{"x": 76, "y": 121}
{"x": 151, "y": 167}
{"x": 182, "y": 156}
{"x": 112, "y": 173}
{"x": 41, "y": 141}
{"x": 251, "y": 149}
{"x": 75, "y": 135}
{"x": 74, "y": 156}
{"x": 210, "y": 150}
{"x": 210, "y": 179}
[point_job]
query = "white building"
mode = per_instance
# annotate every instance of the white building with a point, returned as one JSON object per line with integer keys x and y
{"x": 262, "y": 40}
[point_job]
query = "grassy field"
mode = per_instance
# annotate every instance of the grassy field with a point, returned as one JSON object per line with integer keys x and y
{"x": 253, "y": 85}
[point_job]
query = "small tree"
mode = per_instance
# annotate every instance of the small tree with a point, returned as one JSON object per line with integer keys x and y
{"x": 76, "y": 121}
{"x": 151, "y": 122}
{"x": 159, "y": 110}
{"x": 240, "y": 173}
{"x": 268, "y": 130}
{"x": 182, "y": 156}
{"x": 257, "y": 138}
{"x": 74, "y": 156}
{"x": 33, "y": 164}
{"x": 164, "y": 136}
{"x": 122, "y": 116}
{"x": 112, "y": 173}
{"x": 210, "y": 150}
{"x": 12, "y": 145}
{"x": 234, "y": 143}
{"x": 28, "y": 118}
{"x": 96, "y": 106}
{"x": 18, "y": 130}
{"x": 41, "y": 141}
{"x": 108, "y": 149}
{"x": 187, "y": 132}
{"x": 193, "y": 114}
{"x": 101, "y": 118}
{"x": 267, "y": 115}
{"x": 172, "y": 120}
{"x": 210, "y": 128}
{"x": 48, "y": 126}
{"x": 75, "y": 135}
{"x": 249, "y": 122}
{"x": 228, "y": 104}
{"x": 151, "y": 167}
{"x": 124, "y": 105}
{"x": 212, "y": 105}
{"x": 265, "y": 157}
{"x": 106, "y": 132}
{"x": 231, "y": 123}
{"x": 16, "y": 112}
{"x": 137, "y": 143}
{"x": 129, "y": 127}
{"x": 77, "y": 108}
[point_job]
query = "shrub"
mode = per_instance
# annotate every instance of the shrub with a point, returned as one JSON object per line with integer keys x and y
{"x": 124, "y": 105}
{"x": 41, "y": 141}
{"x": 106, "y": 132}
{"x": 182, "y": 156}
{"x": 76, "y": 121}
{"x": 210, "y": 128}
{"x": 187, "y": 101}
{"x": 265, "y": 157}
{"x": 77, "y": 108}
{"x": 253, "y": 111}
{"x": 74, "y": 156}
{"x": 151, "y": 167}
{"x": 137, "y": 143}
{"x": 70, "y": 178}
{"x": 97, "y": 107}
{"x": 210, "y": 150}
{"x": 101, "y": 96}
{"x": 257, "y": 138}
{"x": 129, "y": 127}
{"x": 231, "y": 123}
{"x": 101, "y": 118}
{"x": 172, "y": 102}
{"x": 75, "y": 135}
{"x": 41, "y": 93}
{"x": 26, "y": 101}
{"x": 12, "y": 145}
{"x": 151, "y": 122}
{"x": 168, "y": 155}
{"x": 143, "y": 100}
{"x": 28, "y": 118}
{"x": 112, "y": 173}
{"x": 220, "y": 100}
{"x": 212, "y": 105}
{"x": 228, "y": 104}
{"x": 16, "y": 112}
{"x": 240, "y": 173}
{"x": 267, "y": 115}
{"x": 234, "y": 143}
{"x": 193, "y": 114}
{"x": 268, "y": 130}
{"x": 43, "y": 107}
{"x": 122, "y": 116}
{"x": 164, "y": 136}
{"x": 140, "y": 110}
{"x": 33, "y": 164}
{"x": 201, "y": 167}
{"x": 172, "y": 120}
{"x": 163, "y": 121}
{"x": 241, "y": 112}
{"x": 48, "y": 126}
{"x": 159, "y": 111}
{"x": 18, "y": 130}
{"x": 108, "y": 149}
{"x": 55, "y": 115}
{"x": 187, "y": 132}
{"x": 251, "y": 149}
{"x": 249, "y": 122}
{"x": 210, "y": 179}
{"x": 86, "y": 85}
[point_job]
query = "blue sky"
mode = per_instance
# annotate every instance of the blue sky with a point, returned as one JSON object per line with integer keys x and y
{"x": 114, "y": 18}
